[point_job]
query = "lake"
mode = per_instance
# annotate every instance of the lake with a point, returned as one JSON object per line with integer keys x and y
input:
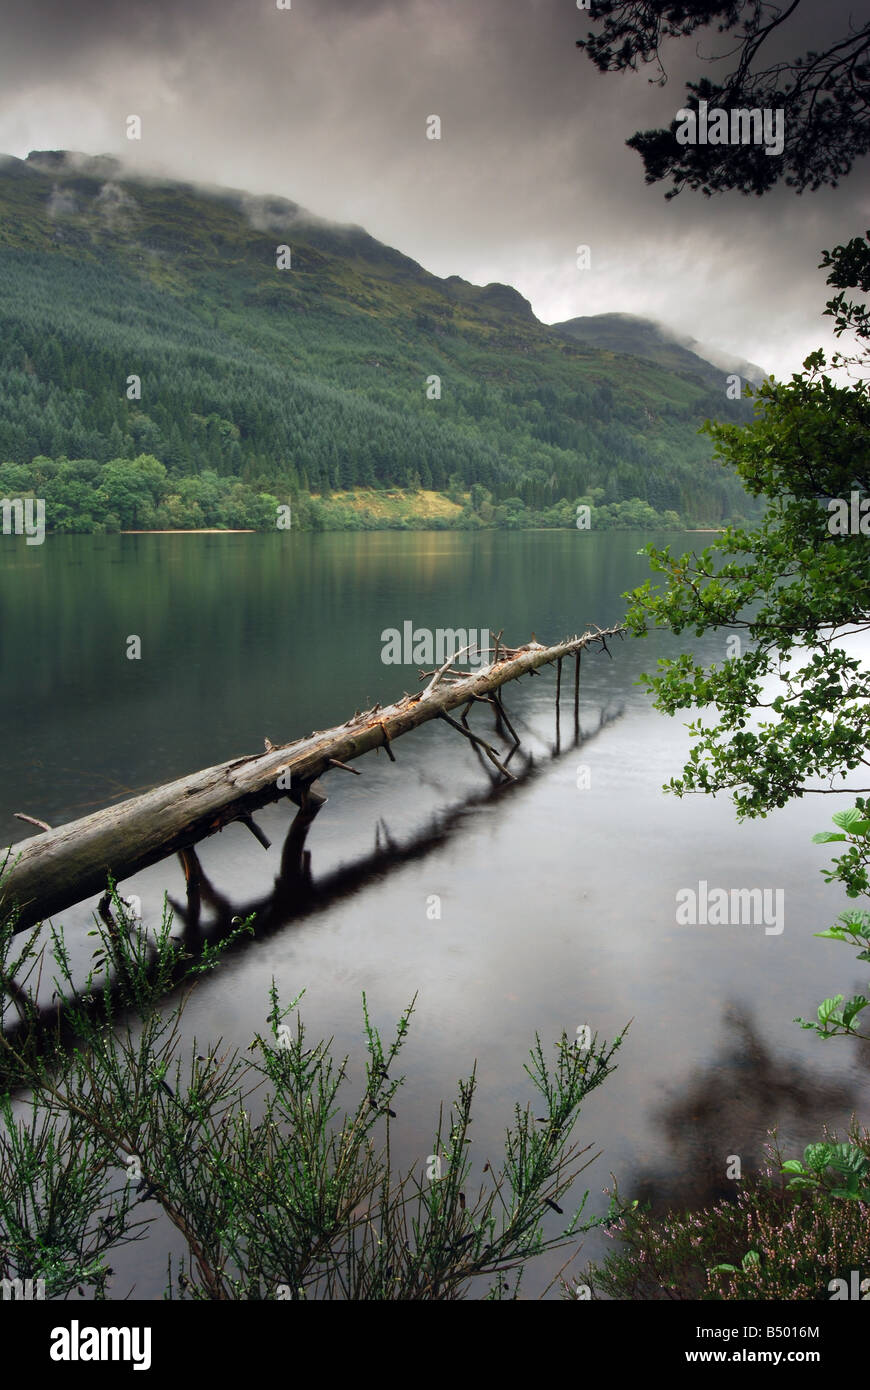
{"x": 557, "y": 895}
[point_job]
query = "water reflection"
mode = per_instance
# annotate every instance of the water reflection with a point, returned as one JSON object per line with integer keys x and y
{"x": 727, "y": 1107}
{"x": 294, "y": 895}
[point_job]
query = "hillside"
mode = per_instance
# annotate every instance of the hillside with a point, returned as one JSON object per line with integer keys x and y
{"x": 260, "y": 383}
{"x": 640, "y": 337}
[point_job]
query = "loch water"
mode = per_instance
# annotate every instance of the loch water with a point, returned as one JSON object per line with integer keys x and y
{"x": 557, "y": 896}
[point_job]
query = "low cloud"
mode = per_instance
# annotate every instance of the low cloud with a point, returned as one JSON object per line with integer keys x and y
{"x": 61, "y": 203}
{"x": 116, "y": 207}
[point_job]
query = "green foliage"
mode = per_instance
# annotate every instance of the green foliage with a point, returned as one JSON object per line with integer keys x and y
{"x": 836, "y": 1018}
{"x": 771, "y": 1243}
{"x": 279, "y": 1181}
{"x": 53, "y": 1181}
{"x": 138, "y": 494}
{"x": 842, "y": 1170}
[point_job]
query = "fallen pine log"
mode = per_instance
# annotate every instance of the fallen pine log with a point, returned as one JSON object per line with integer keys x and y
{"x": 49, "y": 872}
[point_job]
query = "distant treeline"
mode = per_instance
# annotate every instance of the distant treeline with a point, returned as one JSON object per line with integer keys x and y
{"x": 88, "y": 497}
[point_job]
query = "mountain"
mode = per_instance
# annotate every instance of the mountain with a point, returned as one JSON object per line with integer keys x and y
{"x": 145, "y": 318}
{"x": 640, "y": 337}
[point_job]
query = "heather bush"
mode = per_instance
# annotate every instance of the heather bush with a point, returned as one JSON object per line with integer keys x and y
{"x": 769, "y": 1244}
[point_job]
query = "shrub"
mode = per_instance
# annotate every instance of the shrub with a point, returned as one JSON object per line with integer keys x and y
{"x": 298, "y": 1200}
{"x": 770, "y": 1243}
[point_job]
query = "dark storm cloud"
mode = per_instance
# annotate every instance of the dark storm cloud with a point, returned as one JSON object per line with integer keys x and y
{"x": 48, "y": 35}
{"x": 53, "y": 33}
{"x": 326, "y": 104}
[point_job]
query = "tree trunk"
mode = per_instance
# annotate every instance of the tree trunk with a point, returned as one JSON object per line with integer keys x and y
{"x": 50, "y": 872}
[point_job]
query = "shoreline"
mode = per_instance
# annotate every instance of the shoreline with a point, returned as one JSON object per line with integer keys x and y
{"x": 193, "y": 531}
{"x": 250, "y": 530}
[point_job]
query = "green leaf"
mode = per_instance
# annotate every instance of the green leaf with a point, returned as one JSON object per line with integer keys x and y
{"x": 825, "y": 837}
{"x": 856, "y": 920}
{"x": 848, "y": 1158}
{"x": 828, "y": 1007}
{"x": 818, "y": 1156}
{"x": 854, "y": 1007}
{"x": 792, "y": 1165}
{"x": 848, "y": 819}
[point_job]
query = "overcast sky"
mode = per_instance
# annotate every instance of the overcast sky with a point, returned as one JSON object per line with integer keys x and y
{"x": 326, "y": 104}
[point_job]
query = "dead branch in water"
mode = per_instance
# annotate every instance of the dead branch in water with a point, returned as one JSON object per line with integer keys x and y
{"x": 59, "y": 867}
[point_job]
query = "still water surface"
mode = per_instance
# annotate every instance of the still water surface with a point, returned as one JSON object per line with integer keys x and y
{"x": 557, "y": 899}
